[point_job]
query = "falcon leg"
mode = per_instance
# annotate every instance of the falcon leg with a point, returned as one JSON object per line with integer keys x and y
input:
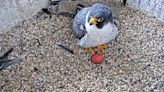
{"x": 88, "y": 50}
{"x": 101, "y": 48}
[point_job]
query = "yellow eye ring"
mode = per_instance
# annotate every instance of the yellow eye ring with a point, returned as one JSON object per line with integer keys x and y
{"x": 100, "y": 19}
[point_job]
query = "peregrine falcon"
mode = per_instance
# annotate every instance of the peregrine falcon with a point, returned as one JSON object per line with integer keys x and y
{"x": 94, "y": 26}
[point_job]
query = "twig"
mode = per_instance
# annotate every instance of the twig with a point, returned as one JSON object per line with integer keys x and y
{"x": 66, "y": 14}
{"x": 124, "y": 2}
{"x": 39, "y": 43}
{"x": 54, "y": 3}
{"x": 79, "y": 7}
{"x": 67, "y": 49}
{"x": 21, "y": 41}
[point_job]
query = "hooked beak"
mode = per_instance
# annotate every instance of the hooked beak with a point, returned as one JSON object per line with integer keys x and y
{"x": 93, "y": 21}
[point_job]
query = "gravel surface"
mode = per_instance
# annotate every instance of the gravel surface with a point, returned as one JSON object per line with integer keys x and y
{"x": 134, "y": 62}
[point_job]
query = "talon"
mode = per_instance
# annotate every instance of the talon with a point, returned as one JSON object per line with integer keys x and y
{"x": 101, "y": 48}
{"x": 88, "y": 50}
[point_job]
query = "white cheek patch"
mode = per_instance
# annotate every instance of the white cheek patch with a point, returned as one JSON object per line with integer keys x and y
{"x": 87, "y": 25}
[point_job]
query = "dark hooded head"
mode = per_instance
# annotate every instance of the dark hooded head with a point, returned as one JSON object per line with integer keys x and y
{"x": 100, "y": 15}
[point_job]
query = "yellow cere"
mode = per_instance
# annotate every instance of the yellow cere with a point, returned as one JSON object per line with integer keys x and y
{"x": 93, "y": 20}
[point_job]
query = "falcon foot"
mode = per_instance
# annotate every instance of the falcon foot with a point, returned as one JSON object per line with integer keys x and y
{"x": 101, "y": 48}
{"x": 89, "y": 50}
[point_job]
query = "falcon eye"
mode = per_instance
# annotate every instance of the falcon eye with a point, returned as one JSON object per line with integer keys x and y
{"x": 100, "y": 19}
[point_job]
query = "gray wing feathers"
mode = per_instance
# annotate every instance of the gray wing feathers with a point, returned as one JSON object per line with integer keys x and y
{"x": 79, "y": 22}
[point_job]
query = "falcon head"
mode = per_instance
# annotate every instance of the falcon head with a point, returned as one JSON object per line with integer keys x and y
{"x": 100, "y": 15}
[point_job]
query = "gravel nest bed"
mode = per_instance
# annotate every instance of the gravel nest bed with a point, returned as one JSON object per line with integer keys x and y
{"x": 134, "y": 63}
